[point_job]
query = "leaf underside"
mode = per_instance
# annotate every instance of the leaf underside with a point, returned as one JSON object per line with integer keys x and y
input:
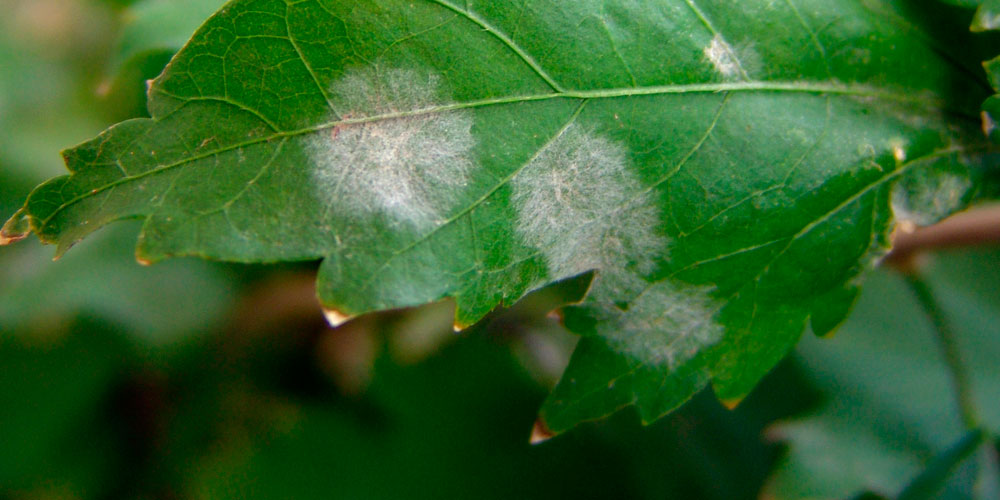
{"x": 728, "y": 169}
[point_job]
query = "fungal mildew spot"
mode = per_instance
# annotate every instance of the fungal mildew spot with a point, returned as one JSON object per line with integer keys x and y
{"x": 731, "y": 63}
{"x": 898, "y": 151}
{"x": 669, "y": 324}
{"x": 579, "y": 204}
{"x": 925, "y": 196}
{"x": 408, "y": 169}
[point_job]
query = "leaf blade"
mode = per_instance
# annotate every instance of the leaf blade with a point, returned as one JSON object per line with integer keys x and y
{"x": 745, "y": 182}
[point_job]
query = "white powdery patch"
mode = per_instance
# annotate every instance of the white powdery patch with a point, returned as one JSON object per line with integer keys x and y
{"x": 731, "y": 63}
{"x": 667, "y": 325}
{"x": 579, "y": 204}
{"x": 927, "y": 197}
{"x": 584, "y": 210}
{"x": 407, "y": 168}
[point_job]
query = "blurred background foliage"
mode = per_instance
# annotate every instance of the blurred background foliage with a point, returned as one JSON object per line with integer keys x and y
{"x": 194, "y": 379}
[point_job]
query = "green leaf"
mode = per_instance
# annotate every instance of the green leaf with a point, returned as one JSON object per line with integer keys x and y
{"x": 444, "y": 407}
{"x": 52, "y": 391}
{"x": 891, "y": 408}
{"x": 727, "y": 168}
{"x": 152, "y": 32}
{"x": 160, "y": 25}
{"x": 987, "y": 18}
{"x": 930, "y": 482}
{"x": 160, "y": 305}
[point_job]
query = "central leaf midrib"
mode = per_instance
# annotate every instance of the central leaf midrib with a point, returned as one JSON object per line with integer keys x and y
{"x": 807, "y": 87}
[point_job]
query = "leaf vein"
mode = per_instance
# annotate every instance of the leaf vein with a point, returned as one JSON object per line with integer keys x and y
{"x": 305, "y": 61}
{"x": 511, "y": 44}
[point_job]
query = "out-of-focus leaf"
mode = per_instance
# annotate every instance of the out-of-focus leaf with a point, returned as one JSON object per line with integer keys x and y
{"x": 891, "y": 407}
{"x": 931, "y": 481}
{"x": 159, "y": 304}
{"x": 988, "y": 19}
{"x": 152, "y": 32}
{"x": 438, "y": 430}
{"x": 987, "y": 16}
{"x": 161, "y": 25}
{"x": 434, "y": 431}
{"x": 58, "y": 441}
{"x": 43, "y": 90}
{"x": 44, "y": 105}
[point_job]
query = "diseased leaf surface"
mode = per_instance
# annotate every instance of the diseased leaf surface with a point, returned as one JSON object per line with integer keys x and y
{"x": 727, "y": 168}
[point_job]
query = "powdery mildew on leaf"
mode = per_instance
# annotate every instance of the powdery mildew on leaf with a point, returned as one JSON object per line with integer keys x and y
{"x": 927, "y": 196}
{"x": 581, "y": 206}
{"x": 578, "y": 203}
{"x": 667, "y": 325}
{"x": 408, "y": 169}
{"x": 732, "y": 63}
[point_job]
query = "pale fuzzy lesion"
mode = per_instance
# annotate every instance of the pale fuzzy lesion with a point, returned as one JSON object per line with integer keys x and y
{"x": 408, "y": 169}
{"x": 732, "y": 63}
{"x": 579, "y": 204}
{"x": 928, "y": 196}
{"x": 669, "y": 324}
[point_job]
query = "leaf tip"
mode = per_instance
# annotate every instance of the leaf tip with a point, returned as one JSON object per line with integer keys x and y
{"x": 986, "y": 19}
{"x": 336, "y": 318}
{"x": 732, "y": 403}
{"x": 557, "y": 315}
{"x": 989, "y": 124}
{"x": 541, "y": 433}
{"x": 9, "y": 238}
{"x": 461, "y": 325}
{"x": 17, "y": 228}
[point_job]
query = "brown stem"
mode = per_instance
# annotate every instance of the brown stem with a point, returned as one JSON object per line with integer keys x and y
{"x": 975, "y": 227}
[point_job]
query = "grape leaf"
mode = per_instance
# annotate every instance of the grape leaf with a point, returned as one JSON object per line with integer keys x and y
{"x": 727, "y": 169}
{"x": 891, "y": 406}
